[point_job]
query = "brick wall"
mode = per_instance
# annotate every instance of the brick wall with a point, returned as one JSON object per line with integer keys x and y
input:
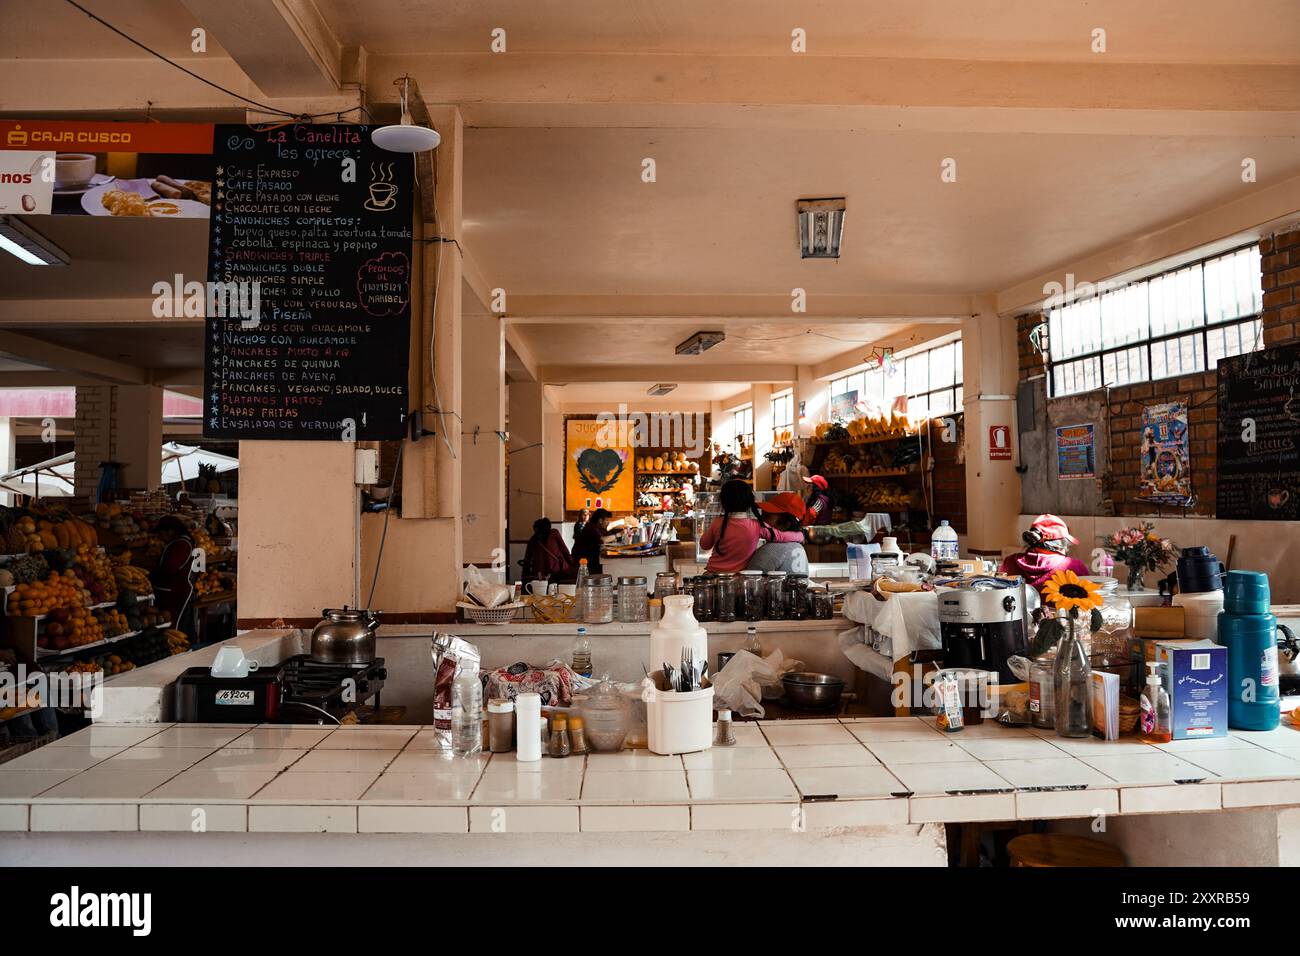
{"x": 93, "y": 434}
{"x": 949, "y": 474}
{"x": 1280, "y": 267}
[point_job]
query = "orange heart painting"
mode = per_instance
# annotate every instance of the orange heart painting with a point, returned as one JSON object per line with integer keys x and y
{"x": 596, "y": 469}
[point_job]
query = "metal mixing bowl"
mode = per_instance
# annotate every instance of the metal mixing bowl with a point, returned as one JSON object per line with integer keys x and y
{"x": 812, "y": 691}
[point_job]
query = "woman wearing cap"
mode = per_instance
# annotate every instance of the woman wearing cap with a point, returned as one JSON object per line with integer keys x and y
{"x": 783, "y": 512}
{"x": 1048, "y": 540}
{"x": 817, "y": 507}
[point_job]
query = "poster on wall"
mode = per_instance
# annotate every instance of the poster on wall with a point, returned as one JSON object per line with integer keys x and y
{"x": 1166, "y": 473}
{"x": 1076, "y": 452}
{"x": 844, "y": 406}
{"x": 26, "y": 182}
{"x": 124, "y": 170}
{"x": 1259, "y": 435}
{"x": 598, "y": 465}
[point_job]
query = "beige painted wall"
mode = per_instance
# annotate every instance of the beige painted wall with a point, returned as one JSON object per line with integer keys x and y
{"x": 296, "y": 530}
{"x": 419, "y": 570}
{"x": 482, "y": 456}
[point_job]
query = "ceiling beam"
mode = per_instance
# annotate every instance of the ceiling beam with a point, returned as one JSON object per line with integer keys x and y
{"x": 524, "y": 309}
{"x": 27, "y": 348}
{"x": 1261, "y": 211}
{"x": 570, "y": 374}
{"x": 285, "y": 46}
{"x": 1201, "y": 91}
{"x": 86, "y": 313}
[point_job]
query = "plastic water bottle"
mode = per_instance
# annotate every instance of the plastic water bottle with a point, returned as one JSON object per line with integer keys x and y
{"x": 582, "y": 653}
{"x": 1249, "y": 631}
{"x": 467, "y": 713}
{"x": 583, "y": 574}
{"x": 943, "y": 543}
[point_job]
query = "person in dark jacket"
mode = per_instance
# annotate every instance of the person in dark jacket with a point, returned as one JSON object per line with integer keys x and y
{"x": 817, "y": 506}
{"x": 546, "y": 554}
{"x": 171, "y": 576}
{"x": 588, "y": 544}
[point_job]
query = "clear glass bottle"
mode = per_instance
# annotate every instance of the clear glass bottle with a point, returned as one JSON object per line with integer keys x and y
{"x": 1072, "y": 688}
{"x": 583, "y": 573}
{"x": 596, "y": 599}
{"x": 752, "y": 643}
{"x": 582, "y": 653}
{"x": 633, "y": 600}
{"x": 467, "y": 713}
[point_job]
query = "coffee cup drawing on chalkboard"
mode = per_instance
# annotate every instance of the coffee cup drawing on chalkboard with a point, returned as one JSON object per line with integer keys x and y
{"x": 383, "y": 193}
{"x": 1277, "y": 497}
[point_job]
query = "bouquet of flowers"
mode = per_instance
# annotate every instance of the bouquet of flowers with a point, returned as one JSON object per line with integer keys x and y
{"x": 1140, "y": 549}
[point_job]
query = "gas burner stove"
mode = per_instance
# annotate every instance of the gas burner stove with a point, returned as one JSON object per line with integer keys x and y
{"x": 309, "y": 687}
{"x": 297, "y": 691}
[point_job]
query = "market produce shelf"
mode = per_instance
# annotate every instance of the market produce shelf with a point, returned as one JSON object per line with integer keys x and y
{"x": 44, "y": 654}
{"x": 887, "y": 473}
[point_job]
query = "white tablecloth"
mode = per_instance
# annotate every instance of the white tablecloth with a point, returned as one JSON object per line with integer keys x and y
{"x": 908, "y": 622}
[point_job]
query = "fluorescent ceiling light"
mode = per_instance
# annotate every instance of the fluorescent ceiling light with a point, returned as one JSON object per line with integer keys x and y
{"x": 821, "y": 227}
{"x": 660, "y": 389}
{"x": 700, "y": 342}
{"x": 405, "y": 137}
{"x": 30, "y": 246}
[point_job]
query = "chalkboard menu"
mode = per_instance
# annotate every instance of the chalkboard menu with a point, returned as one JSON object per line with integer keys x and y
{"x": 1259, "y": 435}
{"x": 308, "y": 299}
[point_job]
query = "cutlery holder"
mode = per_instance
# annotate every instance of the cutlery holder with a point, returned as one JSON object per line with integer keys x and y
{"x": 679, "y": 723}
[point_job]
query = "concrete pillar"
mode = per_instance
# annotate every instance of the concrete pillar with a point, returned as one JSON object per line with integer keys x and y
{"x": 92, "y": 435}
{"x": 482, "y": 463}
{"x": 760, "y": 397}
{"x": 812, "y": 395}
{"x": 8, "y": 448}
{"x": 527, "y": 463}
{"x": 990, "y": 370}
{"x": 553, "y": 456}
{"x": 137, "y": 435}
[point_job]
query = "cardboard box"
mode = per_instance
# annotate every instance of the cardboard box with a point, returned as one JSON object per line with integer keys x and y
{"x": 1195, "y": 674}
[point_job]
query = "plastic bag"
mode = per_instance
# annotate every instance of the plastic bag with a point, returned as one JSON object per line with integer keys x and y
{"x": 740, "y": 686}
{"x": 485, "y": 592}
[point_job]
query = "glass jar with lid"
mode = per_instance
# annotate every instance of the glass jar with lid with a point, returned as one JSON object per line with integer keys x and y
{"x": 607, "y": 716}
{"x": 821, "y": 603}
{"x": 702, "y": 591}
{"x": 725, "y": 588}
{"x": 633, "y": 600}
{"x": 596, "y": 599}
{"x": 796, "y": 596}
{"x": 752, "y": 595}
{"x": 665, "y": 584}
{"x": 774, "y": 588}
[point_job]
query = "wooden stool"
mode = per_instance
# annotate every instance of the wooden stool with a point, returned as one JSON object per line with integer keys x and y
{"x": 1059, "y": 849}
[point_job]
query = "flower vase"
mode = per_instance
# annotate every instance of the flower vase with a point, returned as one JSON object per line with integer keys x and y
{"x": 1072, "y": 684}
{"x": 1135, "y": 578}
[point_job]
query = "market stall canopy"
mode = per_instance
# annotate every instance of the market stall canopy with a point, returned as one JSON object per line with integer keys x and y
{"x": 54, "y": 477}
{"x": 181, "y": 462}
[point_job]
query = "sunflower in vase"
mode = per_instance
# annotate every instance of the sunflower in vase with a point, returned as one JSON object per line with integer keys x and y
{"x": 1068, "y": 595}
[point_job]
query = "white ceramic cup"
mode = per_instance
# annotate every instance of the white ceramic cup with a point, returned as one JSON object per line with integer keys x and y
{"x": 571, "y": 590}
{"x": 231, "y": 662}
{"x": 72, "y": 170}
{"x": 539, "y": 587}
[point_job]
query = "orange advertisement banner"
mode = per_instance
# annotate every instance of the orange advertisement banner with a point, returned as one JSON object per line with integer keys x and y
{"x": 67, "y": 136}
{"x": 598, "y": 461}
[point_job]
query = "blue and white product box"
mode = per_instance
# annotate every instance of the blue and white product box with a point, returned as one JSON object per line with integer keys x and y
{"x": 1195, "y": 674}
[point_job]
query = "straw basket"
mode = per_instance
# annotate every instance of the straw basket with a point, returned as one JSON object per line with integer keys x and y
{"x": 489, "y": 615}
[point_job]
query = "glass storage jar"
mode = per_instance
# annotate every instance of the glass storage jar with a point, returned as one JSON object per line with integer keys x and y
{"x": 774, "y": 586}
{"x": 752, "y": 595}
{"x": 633, "y": 600}
{"x": 725, "y": 587}
{"x": 596, "y": 599}
{"x": 702, "y": 591}
{"x": 607, "y": 715}
{"x": 796, "y": 596}
{"x": 665, "y": 584}
{"x": 821, "y": 603}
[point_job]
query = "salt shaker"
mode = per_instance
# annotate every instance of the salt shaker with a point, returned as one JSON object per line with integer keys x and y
{"x": 724, "y": 734}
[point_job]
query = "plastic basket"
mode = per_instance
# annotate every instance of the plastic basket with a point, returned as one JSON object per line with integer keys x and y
{"x": 500, "y": 614}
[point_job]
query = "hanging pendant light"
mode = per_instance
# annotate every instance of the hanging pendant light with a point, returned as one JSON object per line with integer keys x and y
{"x": 406, "y": 136}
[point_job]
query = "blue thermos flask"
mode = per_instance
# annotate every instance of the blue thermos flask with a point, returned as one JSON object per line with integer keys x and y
{"x": 1249, "y": 631}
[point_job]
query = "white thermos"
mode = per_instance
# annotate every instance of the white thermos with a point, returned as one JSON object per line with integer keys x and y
{"x": 528, "y": 728}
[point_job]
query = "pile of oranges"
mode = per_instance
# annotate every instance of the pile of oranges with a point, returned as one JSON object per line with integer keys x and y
{"x": 41, "y": 597}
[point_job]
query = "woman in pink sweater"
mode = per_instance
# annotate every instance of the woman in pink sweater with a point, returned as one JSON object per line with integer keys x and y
{"x": 734, "y": 537}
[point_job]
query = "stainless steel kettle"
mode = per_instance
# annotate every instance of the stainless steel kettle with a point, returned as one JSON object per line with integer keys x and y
{"x": 345, "y": 636}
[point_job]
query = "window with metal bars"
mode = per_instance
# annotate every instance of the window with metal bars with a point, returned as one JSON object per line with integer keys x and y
{"x": 1176, "y": 323}
{"x": 930, "y": 378}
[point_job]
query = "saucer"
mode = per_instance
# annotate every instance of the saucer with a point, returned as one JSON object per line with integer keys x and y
{"x": 99, "y": 179}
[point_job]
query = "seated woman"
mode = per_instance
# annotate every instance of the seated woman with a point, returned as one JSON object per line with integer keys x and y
{"x": 783, "y": 512}
{"x": 1048, "y": 540}
{"x": 734, "y": 537}
{"x": 546, "y": 555}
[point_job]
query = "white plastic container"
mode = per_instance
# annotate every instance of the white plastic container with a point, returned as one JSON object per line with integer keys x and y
{"x": 677, "y": 629}
{"x": 528, "y": 728}
{"x": 1201, "y": 614}
{"x": 943, "y": 543}
{"x": 678, "y": 723}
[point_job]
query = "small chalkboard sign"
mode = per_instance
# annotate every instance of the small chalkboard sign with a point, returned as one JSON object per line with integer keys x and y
{"x": 1259, "y": 435}
{"x": 309, "y": 268}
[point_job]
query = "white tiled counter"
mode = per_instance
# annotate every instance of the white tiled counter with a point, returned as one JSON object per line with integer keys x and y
{"x": 874, "y": 785}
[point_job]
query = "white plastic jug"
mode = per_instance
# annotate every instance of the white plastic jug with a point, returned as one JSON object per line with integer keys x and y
{"x": 677, "y": 629}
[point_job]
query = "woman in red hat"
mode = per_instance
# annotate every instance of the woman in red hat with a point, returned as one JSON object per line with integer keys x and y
{"x": 1048, "y": 540}
{"x": 817, "y": 507}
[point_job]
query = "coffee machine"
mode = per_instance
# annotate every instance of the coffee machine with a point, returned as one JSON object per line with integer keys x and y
{"x": 982, "y": 623}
